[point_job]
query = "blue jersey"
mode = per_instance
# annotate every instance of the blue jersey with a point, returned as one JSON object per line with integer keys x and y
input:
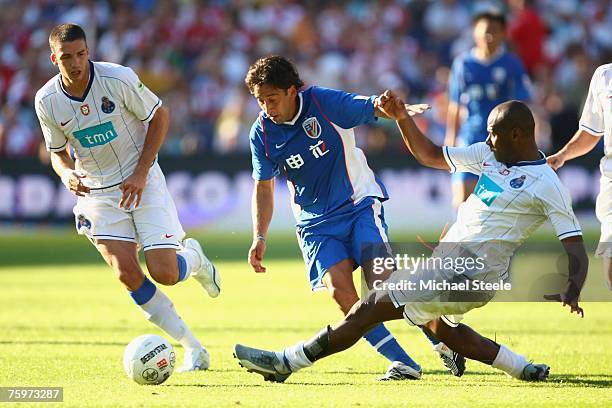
{"x": 326, "y": 172}
{"x": 482, "y": 85}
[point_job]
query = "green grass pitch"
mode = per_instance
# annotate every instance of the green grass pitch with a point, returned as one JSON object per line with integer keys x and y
{"x": 66, "y": 324}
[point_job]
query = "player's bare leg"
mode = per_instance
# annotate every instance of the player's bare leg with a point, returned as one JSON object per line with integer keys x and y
{"x": 122, "y": 256}
{"x": 452, "y": 360}
{"x": 277, "y": 366}
{"x": 476, "y": 347}
{"x": 162, "y": 265}
{"x": 374, "y": 309}
{"x": 607, "y": 267}
{"x": 339, "y": 282}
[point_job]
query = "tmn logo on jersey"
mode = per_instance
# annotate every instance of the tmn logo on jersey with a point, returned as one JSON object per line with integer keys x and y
{"x": 312, "y": 127}
{"x": 487, "y": 190}
{"x": 96, "y": 135}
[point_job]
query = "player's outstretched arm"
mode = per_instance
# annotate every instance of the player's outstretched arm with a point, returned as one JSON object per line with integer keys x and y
{"x": 578, "y": 265}
{"x": 426, "y": 152}
{"x": 580, "y": 144}
{"x": 262, "y": 207}
{"x": 413, "y": 110}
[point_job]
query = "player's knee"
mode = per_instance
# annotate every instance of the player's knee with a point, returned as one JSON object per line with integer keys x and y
{"x": 345, "y": 299}
{"x": 164, "y": 273}
{"x": 130, "y": 276}
{"x": 437, "y": 327}
{"x": 363, "y": 312}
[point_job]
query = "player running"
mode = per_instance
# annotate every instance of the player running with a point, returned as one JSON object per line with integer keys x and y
{"x": 516, "y": 192}
{"x": 337, "y": 199}
{"x": 596, "y": 121}
{"x": 480, "y": 79}
{"x": 115, "y": 126}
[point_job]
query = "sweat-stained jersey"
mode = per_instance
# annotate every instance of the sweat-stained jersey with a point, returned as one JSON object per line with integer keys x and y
{"x": 326, "y": 172}
{"x": 106, "y": 128}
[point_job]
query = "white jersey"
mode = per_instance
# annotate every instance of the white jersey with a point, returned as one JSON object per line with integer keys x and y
{"x": 596, "y": 116}
{"x": 509, "y": 202}
{"x": 106, "y": 128}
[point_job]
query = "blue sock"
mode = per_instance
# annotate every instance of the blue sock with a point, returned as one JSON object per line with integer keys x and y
{"x": 182, "y": 267}
{"x": 383, "y": 341}
{"x": 144, "y": 293}
{"x": 431, "y": 338}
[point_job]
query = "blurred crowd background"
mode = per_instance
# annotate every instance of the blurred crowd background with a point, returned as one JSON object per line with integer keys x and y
{"x": 194, "y": 54}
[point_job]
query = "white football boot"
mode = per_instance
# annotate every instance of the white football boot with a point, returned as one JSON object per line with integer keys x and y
{"x": 195, "y": 360}
{"x": 205, "y": 273}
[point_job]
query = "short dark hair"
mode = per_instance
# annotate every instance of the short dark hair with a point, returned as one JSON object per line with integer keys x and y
{"x": 66, "y": 33}
{"x": 276, "y": 71}
{"x": 491, "y": 15}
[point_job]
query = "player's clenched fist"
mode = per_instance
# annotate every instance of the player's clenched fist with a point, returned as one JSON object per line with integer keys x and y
{"x": 256, "y": 254}
{"x": 555, "y": 161}
{"x": 72, "y": 179}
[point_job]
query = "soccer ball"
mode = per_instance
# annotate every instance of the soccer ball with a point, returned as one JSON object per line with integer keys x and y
{"x": 149, "y": 359}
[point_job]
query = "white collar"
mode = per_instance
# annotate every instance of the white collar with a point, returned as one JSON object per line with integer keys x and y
{"x": 297, "y": 115}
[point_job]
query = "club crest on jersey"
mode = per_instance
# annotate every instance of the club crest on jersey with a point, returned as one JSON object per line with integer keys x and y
{"x": 518, "y": 182}
{"x": 107, "y": 105}
{"x": 83, "y": 224}
{"x": 312, "y": 127}
{"x": 85, "y": 109}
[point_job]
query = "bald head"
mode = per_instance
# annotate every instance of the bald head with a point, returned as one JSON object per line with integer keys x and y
{"x": 511, "y": 130}
{"x": 512, "y": 115}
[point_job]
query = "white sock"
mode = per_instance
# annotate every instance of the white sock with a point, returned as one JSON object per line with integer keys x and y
{"x": 160, "y": 311}
{"x": 295, "y": 356}
{"x": 509, "y": 362}
{"x": 191, "y": 258}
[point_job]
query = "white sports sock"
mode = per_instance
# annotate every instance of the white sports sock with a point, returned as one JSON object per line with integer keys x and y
{"x": 509, "y": 362}
{"x": 295, "y": 356}
{"x": 160, "y": 311}
{"x": 191, "y": 258}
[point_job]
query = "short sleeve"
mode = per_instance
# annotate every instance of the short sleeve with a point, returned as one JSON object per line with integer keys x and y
{"x": 263, "y": 167}
{"x": 469, "y": 158}
{"x": 557, "y": 206}
{"x": 346, "y": 110}
{"x": 137, "y": 98}
{"x": 55, "y": 139}
{"x": 592, "y": 119}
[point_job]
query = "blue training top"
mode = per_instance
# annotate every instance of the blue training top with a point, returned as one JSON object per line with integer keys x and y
{"x": 482, "y": 85}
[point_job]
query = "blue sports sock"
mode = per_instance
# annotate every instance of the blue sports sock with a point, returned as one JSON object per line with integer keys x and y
{"x": 144, "y": 293}
{"x": 383, "y": 341}
{"x": 431, "y": 338}
{"x": 182, "y": 267}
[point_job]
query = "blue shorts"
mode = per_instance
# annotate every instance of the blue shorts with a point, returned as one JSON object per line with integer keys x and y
{"x": 359, "y": 235}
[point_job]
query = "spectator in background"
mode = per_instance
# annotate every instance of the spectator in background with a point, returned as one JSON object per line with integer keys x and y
{"x": 202, "y": 42}
{"x": 480, "y": 80}
{"x": 526, "y": 33}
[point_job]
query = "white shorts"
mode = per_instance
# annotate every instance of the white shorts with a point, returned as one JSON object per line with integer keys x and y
{"x": 154, "y": 224}
{"x": 423, "y": 303}
{"x": 603, "y": 210}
